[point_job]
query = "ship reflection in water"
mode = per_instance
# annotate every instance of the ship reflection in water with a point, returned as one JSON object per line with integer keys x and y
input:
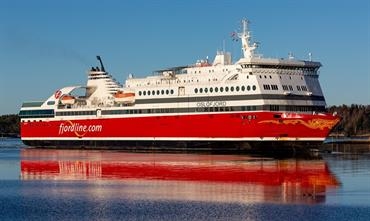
{"x": 190, "y": 177}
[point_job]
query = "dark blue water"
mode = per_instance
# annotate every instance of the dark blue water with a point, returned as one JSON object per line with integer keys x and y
{"x": 113, "y": 185}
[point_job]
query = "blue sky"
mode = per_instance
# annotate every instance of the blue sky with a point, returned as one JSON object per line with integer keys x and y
{"x": 46, "y": 45}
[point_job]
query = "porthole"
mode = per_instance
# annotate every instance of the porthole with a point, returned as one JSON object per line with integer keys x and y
{"x": 248, "y": 88}
{"x": 196, "y": 90}
{"x": 153, "y": 92}
{"x": 162, "y": 92}
{"x": 221, "y": 89}
{"x": 205, "y": 90}
{"x": 200, "y": 90}
{"x": 167, "y": 91}
{"x": 139, "y": 93}
{"x": 157, "y": 92}
{"x": 172, "y": 91}
{"x": 144, "y": 93}
{"x": 231, "y": 89}
{"x": 226, "y": 89}
{"x": 237, "y": 88}
{"x": 211, "y": 90}
{"x": 216, "y": 89}
{"x": 254, "y": 87}
{"x": 148, "y": 92}
{"x": 243, "y": 88}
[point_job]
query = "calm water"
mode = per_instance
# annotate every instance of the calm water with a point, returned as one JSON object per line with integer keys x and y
{"x": 113, "y": 185}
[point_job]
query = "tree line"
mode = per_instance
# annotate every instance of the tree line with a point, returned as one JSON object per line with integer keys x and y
{"x": 9, "y": 125}
{"x": 355, "y": 121}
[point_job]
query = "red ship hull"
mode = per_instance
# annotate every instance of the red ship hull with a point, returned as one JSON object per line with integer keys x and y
{"x": 185, "y": 129}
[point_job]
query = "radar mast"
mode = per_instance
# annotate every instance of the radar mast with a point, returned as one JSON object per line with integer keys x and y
{"x": 247, "y": 48}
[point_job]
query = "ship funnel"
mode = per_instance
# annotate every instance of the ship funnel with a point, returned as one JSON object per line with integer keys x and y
{"x": 101, "y": 63}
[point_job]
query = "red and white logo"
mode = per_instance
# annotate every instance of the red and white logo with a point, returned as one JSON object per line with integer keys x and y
{"x": 57, "y": 94}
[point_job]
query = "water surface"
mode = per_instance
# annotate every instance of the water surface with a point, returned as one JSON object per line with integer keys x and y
{"x": 115, "y": 185}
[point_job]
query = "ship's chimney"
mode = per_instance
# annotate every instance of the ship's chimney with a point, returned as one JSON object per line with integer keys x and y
{"x": 101, "y": 63}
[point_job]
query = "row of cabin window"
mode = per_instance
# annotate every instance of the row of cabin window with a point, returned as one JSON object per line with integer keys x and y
{"x": 182, "y": 110}
{"x": 278, "y": 67}
{"x": 41, "y": 113}
{"x": 221, "y": 89}
{"x": 279, "y": 77}
{"x": 158, "y": 92}
{"x": 270, "y": 87}
{"x": 290, "y": 88}
{"x": 75, "y": 113}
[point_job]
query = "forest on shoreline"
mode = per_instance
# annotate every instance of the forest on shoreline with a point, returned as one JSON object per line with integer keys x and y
{"x": 355, "y": 121}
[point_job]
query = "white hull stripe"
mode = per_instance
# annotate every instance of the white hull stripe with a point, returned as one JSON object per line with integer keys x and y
{"x": 180, "y": 138}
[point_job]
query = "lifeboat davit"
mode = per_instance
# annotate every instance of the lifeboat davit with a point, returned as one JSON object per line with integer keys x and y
{"x": 67, "y": 99}
{"x": 124, "y": 97}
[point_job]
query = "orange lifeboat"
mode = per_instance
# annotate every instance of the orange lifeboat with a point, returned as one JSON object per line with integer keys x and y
{"x": 124, "y": 97}
{"x": 67, "y": 99}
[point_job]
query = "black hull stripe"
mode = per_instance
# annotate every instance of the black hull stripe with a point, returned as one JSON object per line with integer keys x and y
{"x": 226, "y": 146}
{"x": 206, "y": 109}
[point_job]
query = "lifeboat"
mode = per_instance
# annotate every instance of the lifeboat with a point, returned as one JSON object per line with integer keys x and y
{"x": 124, "y": 97}
{"x": 67, "y": 99}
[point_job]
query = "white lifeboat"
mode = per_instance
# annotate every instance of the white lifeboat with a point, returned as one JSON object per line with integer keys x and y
{"x": 124, "y": 97}
{"x": 67, "y": 99}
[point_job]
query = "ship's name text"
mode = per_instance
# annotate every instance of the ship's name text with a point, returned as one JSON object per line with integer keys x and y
{"x": 211, "y": 104}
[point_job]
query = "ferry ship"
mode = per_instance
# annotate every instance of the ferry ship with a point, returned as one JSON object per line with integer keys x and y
{"x": 253, "y": 102}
